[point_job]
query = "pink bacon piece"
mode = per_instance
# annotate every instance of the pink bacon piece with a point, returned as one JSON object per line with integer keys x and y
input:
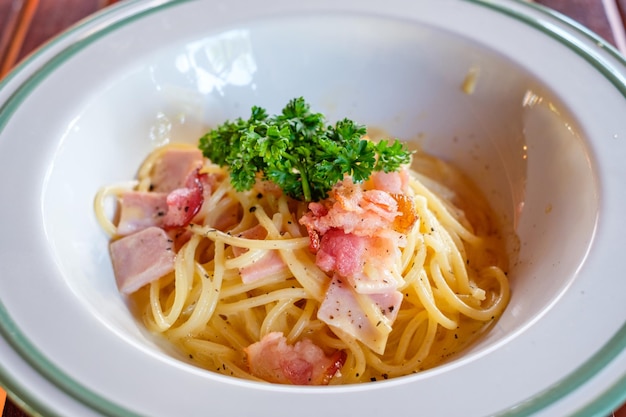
{"x": 184, "y": 203}
{"x": 349, "y": 207}
{"x": 139, "y": 210}
{"x": 342, "y": 308}
{"x": 303, "y": 363}
{"x": 368, "y": 263}
{"x": 141, "y": 258}
{"x": 341, "y": 252}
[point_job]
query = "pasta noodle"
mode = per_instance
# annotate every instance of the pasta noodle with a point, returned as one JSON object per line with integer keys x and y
{"x": 452, "y": 273}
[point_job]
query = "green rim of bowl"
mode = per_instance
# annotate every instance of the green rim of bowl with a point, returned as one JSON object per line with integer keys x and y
{"x": 601, "y": 406}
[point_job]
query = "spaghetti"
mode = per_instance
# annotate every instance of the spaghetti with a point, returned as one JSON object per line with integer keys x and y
{"x": 449, "y": 277}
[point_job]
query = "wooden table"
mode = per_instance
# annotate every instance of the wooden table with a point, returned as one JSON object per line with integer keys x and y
{"x": 25, "y": 25}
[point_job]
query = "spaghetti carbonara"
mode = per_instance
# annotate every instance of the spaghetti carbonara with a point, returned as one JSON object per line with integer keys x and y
{"x": 383, "y": 278}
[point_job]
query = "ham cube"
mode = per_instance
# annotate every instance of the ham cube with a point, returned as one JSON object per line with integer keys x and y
{"x": 139, "y": 210}
{"x": 141, "y": 258}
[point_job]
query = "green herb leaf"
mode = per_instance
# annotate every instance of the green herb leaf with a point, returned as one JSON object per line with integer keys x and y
{"x": 298, "y": 151}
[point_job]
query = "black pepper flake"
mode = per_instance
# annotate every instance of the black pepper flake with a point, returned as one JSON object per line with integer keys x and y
{"x": 386, "y": 376}
{"x": 259, "y": 195}
{"x": 456, "y": 336}
{"x": 190, "y": 356}
{"x": 151, "y": 187}
{"x": 252, "y": 209}
{"x": 373, "y": 379}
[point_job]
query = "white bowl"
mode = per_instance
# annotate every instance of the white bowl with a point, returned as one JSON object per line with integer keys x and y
{"x": 541, "y": 131}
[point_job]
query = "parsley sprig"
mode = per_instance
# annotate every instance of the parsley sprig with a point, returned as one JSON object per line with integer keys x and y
{"x": 298, "y": 151}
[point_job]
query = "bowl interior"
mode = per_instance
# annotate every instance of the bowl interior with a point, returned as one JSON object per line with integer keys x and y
{"x": 486, "y": 114}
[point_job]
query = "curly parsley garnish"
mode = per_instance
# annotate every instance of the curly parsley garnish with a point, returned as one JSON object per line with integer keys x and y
{"x": 298, "y": 151}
